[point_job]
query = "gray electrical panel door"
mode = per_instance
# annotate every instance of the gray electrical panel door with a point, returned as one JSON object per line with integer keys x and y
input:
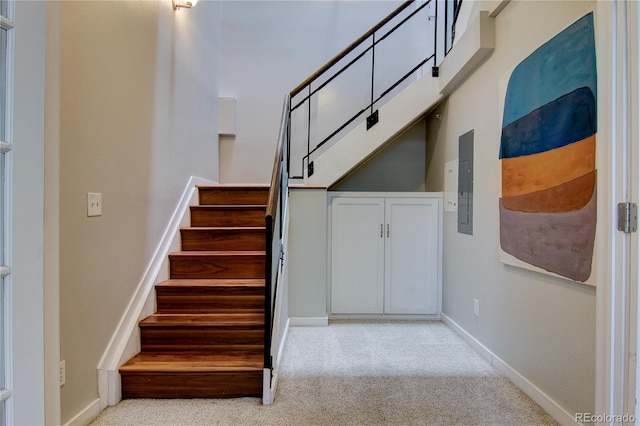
{"x": 465, "y": 183}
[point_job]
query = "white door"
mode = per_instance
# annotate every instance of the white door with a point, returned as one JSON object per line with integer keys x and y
{"x": 357, "y": 256}
{"x": 411, "y": 251}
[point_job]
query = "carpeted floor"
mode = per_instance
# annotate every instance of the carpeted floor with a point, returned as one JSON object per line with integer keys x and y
{"x": 361, "y": 373}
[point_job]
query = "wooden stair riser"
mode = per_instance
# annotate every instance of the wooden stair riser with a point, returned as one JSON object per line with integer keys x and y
{"x": 228, "y": 215}
{"x": 216, "y": 266}
{"x": 218, "y": 239}
{"x": 236, "y": 196}
{"x": 201, "y": 339}
{"x": 173, "y": 302}
{"x": 192, "y": 385}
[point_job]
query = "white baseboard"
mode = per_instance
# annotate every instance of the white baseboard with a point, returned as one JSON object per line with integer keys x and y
{"x": 85, "y": 416}
{"x": 124, "y": 342}
{"x": 384, "y": 317}
{"x": 535, "y": 393}
{"x": 309, "y": 321}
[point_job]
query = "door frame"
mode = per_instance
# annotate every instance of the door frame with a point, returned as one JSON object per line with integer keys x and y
{"x": 617, "y": 295}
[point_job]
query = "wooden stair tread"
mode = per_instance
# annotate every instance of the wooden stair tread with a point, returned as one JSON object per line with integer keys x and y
{"x": 192, "y": 362}
{"x": 231, "y": 206}
{"x": 232, "y": 186}
{"x": 213, "y": 282}
{"x": 235, "y": 194}
{"x": 216, "y": 253}
{"x": 224, "y": 228}
{"x": 242, "y": 319}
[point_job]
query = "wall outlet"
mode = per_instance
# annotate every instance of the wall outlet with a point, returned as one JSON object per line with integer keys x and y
{"x": 62, "y": 373}
{"x": 476, "y": 307}
{"x": 94, "y": 204}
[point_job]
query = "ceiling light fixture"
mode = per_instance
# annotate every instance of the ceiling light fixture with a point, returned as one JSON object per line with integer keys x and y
{"x": 177, "y": 4}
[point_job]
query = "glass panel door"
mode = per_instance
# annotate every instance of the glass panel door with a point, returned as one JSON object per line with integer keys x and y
{"x": 6, "y": 63}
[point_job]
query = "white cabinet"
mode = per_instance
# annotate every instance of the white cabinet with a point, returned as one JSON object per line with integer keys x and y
{"x": 385, "y": 253}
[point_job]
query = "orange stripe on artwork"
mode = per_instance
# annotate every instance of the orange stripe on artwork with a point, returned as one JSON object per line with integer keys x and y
{"x": 566, "y": 197}
{"x": 545, "y": 170}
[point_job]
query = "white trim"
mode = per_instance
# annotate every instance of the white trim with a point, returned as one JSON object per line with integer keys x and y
{"x": 308, "y": 321}
{"x": 615, "y": 350}
{"x": 554, "y": 409}
{"x": 384, "y": 317}
{"x": 269, "y": 384}
{"x": 7, "y": 321}
{"x": 124, "y": 342}
{"x": 634, "y": 72}
{"x": 384, "y": 194}
{"x": 86, "y": 415}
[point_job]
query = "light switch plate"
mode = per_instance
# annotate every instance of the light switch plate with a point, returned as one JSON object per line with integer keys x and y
{"x": 94, "y": 204}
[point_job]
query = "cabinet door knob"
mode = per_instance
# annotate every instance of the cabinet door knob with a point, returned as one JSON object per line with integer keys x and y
{"x": 387, "y": 230}
{"x": 381, "y": 230}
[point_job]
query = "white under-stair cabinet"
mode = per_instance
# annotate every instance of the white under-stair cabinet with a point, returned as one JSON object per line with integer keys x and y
{"x": 386, "y": 254}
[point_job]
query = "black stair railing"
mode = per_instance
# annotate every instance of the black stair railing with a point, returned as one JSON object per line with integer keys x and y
{"x": 355, "y": 83}
{"x": 451, "y": 12}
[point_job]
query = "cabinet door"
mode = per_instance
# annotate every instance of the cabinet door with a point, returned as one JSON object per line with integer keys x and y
{"x": 411, "y": 256}
{"x": 357, "y": 256}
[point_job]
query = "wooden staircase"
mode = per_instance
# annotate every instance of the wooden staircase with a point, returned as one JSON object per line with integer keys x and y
{"x": 206, "y": 338}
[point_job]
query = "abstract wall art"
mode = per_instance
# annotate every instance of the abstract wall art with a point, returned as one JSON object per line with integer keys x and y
{"x": 548, "y": 157}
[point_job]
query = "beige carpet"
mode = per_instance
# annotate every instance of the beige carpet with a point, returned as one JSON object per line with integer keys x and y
{"x": 361, "y": 373}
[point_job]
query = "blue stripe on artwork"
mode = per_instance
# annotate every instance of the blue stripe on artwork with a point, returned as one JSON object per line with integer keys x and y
{"x": 563, "y": 64}
{"x": 569, "y": 119}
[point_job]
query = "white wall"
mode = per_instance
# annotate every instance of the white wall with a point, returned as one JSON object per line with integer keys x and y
{"x": 268, "y": 48}
{"x": 138, "y": 117}
{"x": 308, "y": 253}
{"x": 27, "y": 211}
{"x": 544, "y": 327}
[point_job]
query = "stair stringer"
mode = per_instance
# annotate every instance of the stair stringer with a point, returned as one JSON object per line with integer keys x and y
{"x": 360, "y": 144}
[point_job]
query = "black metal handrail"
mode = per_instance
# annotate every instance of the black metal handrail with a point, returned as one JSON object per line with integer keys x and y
{"x": 349, "y": 49}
